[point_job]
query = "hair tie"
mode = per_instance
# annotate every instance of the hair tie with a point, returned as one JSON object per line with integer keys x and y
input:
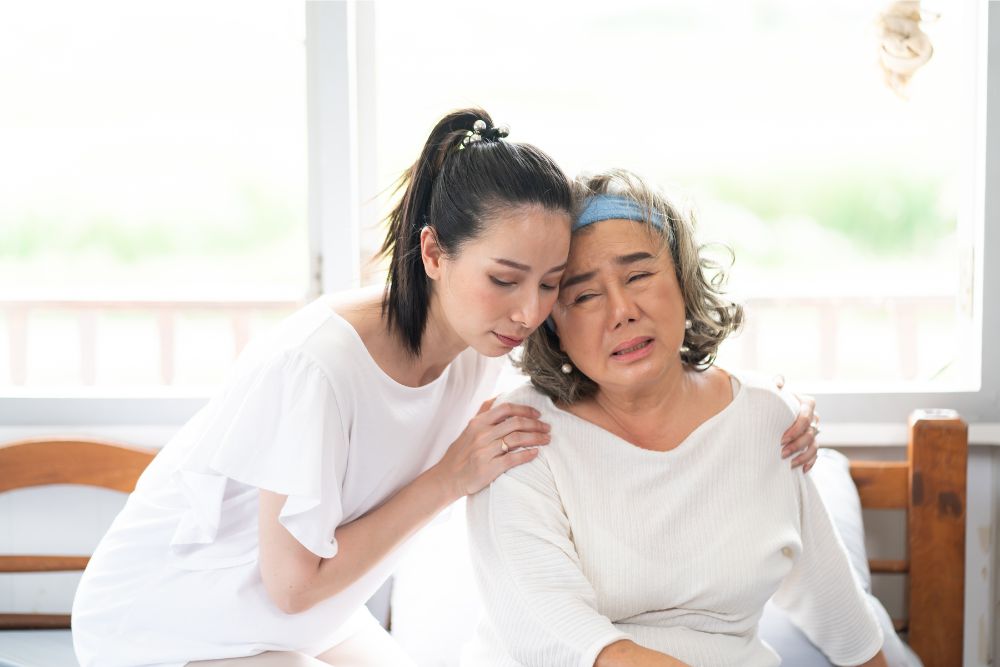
{"x": 482, "y": 132}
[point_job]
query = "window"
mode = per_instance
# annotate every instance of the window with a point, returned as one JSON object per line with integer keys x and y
{"x": 842, "y": 201}
{"x": 153, "y": 183}
{"x": 869, "y": 213}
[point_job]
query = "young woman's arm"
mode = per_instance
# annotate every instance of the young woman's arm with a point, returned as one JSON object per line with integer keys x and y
{"x": 296, "y": 578}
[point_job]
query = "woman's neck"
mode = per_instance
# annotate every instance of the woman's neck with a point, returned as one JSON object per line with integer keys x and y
{"x": 439, "y": 343}
{"x": 654, "y": 401}
{"x": 660, "y": 416}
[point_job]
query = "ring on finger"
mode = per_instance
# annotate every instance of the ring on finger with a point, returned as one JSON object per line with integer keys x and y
{"x": 504, "y": 447}
{"x": 815, "y": 429}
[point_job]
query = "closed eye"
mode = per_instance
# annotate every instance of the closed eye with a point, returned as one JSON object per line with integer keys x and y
{"x": 501, "y": 283}
{"x": 548, "y": 288}
{"x": 638, "y": 276}
{"x": 583, "y": 298}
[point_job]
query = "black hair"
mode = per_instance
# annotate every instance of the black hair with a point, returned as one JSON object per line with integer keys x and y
{"x": 454, "y": 187}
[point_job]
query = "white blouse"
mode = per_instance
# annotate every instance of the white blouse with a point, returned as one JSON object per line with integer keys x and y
{"x": 306, "y": 413}
{"x": 597, "y": 540}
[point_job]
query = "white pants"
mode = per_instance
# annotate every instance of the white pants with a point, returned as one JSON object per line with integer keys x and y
{"x": 362, "y": 642}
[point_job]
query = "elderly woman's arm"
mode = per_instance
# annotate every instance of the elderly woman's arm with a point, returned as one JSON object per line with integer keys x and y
{"x": 539, "y": 603}
{"x": 820, "y": 593}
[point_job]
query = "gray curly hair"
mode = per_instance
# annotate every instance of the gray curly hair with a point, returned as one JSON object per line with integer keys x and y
{"x": 701, "y": 279}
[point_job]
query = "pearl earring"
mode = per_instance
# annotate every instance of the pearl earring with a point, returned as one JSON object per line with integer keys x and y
{"x": 687, "y": 325}
{"x": 566, "y": 369}
{"x": 685, "y": 349}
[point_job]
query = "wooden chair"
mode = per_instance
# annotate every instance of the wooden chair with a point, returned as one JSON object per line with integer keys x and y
{"x": 930, "y": 486}
{"x": 40, "y": 462}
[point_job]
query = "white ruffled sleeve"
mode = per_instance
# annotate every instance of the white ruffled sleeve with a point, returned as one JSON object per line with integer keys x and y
{"x": 278, "y": 426}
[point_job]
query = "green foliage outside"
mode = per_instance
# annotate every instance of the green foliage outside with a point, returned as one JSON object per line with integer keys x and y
{"x": 256, "y": 219}
{"x": 881, "y": 211}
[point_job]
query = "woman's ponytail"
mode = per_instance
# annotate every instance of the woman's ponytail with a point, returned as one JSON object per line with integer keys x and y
{"x": 407, "y": 292}
{"x": 465, "y": 172}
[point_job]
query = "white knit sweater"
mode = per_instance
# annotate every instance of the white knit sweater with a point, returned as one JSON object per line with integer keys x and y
{"x": 598, "y": 540}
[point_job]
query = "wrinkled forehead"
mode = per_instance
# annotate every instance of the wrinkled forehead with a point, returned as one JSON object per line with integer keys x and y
{"x": 605, "y": 242}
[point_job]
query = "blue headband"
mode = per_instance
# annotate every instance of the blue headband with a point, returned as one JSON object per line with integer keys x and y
{"x": 615, "y": 207}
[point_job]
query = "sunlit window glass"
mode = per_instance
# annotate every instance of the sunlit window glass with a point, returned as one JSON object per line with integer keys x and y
{"x": 154, "y": 156}
{"x": 841, "y": 198}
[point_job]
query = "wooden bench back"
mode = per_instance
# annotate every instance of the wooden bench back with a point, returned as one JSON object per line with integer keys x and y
{"x": 930, "y": 486}
{"x": 41, "y": 462}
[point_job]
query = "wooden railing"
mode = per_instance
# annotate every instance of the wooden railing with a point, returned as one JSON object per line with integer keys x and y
{"x": 904, "y": 311}
{"x": 17, "y": 313}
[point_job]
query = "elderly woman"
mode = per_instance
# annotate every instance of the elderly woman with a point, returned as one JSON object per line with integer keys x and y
{"x": 660, "y": 519}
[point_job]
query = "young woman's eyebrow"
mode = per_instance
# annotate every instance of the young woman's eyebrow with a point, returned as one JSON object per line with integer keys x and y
{"x": 524, "y": 267}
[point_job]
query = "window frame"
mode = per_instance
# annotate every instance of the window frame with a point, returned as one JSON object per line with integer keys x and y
{"x": 981, "y": 406}
{"x": 340, "y": 64}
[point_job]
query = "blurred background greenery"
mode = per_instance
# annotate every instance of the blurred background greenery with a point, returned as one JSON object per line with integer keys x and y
{"x": 179, "y": 172}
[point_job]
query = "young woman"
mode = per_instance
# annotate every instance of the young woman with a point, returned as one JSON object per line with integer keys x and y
{"x": 260, "y": 530}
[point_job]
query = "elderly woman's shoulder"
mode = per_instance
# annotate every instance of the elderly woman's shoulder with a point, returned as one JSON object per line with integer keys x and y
{"x": 762, "y": 391}
{"x": 528, "y": 395}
